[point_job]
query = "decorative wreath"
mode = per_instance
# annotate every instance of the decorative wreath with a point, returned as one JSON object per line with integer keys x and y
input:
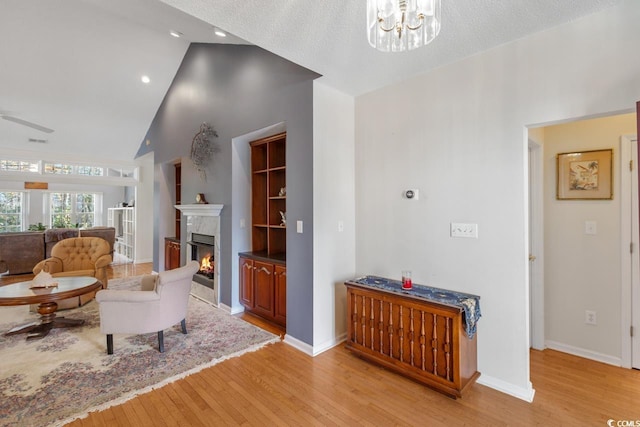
{"x": 203, "y": 147}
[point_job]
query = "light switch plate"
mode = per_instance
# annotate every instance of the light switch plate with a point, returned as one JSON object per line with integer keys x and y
{"x": 299, "y": 226}
{"x": 590, "y": 227}
{"x": 459, "y": 229}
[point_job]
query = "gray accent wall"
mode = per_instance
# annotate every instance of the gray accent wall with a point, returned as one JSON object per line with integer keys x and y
{"x": 239, "y": 89}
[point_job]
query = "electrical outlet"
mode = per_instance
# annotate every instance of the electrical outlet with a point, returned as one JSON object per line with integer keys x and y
{"x": 459, "y": 229}
{"x": 590, "y": 317}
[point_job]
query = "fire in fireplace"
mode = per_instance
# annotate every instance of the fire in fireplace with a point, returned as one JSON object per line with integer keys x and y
{"x": 202, "y": 250}
{"x": 207, "y": 264}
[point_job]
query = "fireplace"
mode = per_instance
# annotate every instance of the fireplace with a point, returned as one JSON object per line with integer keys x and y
{"x": 203, "y": 251}
{"x": 203, "y": 245}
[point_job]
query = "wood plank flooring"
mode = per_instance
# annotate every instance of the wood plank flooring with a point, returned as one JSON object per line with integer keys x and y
{"x": 279, "y": 385}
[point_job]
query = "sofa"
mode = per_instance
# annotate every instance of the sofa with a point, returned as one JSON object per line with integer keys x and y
{"x": 21, "y": 251}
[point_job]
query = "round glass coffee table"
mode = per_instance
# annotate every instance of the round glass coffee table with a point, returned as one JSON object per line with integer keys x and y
{"x": 22, "y": 293}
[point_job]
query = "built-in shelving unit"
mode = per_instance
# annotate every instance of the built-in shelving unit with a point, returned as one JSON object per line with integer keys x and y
{"x": 263, "y": 273}
{"x": 172, "y": 244}
{"x": 268, "y": 194}
{"x": 178, "y": 179}
{"x": 124, "y": 221}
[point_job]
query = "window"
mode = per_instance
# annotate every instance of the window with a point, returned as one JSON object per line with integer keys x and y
{"x": 48, "y": 167}
{"x": 74, "y": 210}
{"x": 65, "y": 169}
{"x": 18, "y": 166}
{"x": 11, "y": 211}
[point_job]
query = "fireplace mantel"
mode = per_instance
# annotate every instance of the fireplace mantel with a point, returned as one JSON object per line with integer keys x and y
{"x": 200, "y": 209}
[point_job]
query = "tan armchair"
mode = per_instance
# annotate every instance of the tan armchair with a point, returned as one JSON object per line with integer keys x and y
{"x": 160, "y": 303}
{"x": 78, "y": 256}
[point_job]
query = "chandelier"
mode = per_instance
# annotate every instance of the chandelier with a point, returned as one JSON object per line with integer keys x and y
{"x": 400, "y": 25}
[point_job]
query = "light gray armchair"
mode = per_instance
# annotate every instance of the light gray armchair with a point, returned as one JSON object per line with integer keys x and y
{"x": 160, "y": 303}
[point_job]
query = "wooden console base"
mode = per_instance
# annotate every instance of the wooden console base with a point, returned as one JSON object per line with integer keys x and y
{"x": 423, "y": 340}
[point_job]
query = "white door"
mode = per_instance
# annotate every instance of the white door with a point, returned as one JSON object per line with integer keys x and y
{"x": 630, "y": 251}
{"x": 635, "y": 271}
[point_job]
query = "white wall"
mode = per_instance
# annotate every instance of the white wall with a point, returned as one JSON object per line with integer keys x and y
{"x": 334, "y": 203}
{"x": 144, "y": 210}
{"x": 164, "y": 201}
{"x": 582, "y": 272}
{"x": 458, "y": 135}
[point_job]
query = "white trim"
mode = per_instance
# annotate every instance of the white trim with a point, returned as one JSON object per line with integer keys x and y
{"x": 536, "y": 244}
{"x": 625, "y": 257}
{"x": 329, "y": 344}
{"x": 299, "y": 345}
{"x": 581, "y": 352}
{"x": 630, "y": 264}
{"x": 526, "y": 394}
{"x": 200, "y": 209}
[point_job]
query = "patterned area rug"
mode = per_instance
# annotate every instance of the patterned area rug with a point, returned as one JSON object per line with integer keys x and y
{"x": 67, "y": 374}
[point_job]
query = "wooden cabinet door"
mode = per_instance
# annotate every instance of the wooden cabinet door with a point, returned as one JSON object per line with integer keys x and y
{"x": 171, "y": 255}
{"x": 174, "y": 261}
{"x": 281, "y": 295}
{"x": 167, "y": 255}
{"x": 263, "y": 280}
{"x": 246, "y": 282}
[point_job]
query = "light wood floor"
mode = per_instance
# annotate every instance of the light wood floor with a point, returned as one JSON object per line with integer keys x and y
{"x": 279, "y": 385}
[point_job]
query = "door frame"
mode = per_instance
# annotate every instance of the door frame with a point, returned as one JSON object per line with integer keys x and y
{"x": 536, "y": 245}
{"x": 630, "y": 264}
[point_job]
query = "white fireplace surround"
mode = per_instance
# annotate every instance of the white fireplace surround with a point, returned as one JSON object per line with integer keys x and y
{"x": 201, "y": 209}
{"x": 205, "y": 219}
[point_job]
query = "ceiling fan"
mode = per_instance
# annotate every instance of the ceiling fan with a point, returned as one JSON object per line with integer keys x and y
{"x": 7, "y": 116}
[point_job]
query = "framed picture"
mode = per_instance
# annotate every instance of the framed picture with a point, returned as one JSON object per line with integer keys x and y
{"x": 585, "y": 175}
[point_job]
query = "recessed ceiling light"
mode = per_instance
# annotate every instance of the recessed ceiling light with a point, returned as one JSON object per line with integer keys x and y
{"x": 176, "y": 34}
{"x": 220, "y": 33}
{"x": 145, "y": 79}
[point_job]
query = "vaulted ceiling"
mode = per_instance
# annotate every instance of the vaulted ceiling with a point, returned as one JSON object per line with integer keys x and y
{"x": 74, "y": 66}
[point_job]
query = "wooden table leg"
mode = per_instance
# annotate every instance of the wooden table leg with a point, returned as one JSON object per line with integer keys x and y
{"x": 48, "y": 321}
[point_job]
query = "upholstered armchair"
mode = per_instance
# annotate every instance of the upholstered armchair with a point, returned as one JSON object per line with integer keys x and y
{"x": 160, "y": 303}
{"x": 78, "y": 256}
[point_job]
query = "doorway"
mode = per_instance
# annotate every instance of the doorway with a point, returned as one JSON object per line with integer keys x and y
{"x": 571, "y": 272}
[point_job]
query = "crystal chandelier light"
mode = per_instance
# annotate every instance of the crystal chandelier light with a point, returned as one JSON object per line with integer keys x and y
{"x": 400, "y": 25}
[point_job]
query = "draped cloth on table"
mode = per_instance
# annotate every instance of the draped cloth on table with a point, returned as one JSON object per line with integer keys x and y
{"x": 470, "y": 304}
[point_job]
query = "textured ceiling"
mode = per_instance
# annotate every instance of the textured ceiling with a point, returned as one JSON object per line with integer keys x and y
{"x": 329, "y": 36}
{"x": 75, "y": 65}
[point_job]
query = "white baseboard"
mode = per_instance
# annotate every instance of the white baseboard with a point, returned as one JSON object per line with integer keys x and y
{"x": 298, "y": 345}
{"x": 525, "y": 394}
{"x": 317, "y": 349}
{"x": 587, "y": 354}
{"x": 232, "y": 310}
{"x": 314, "y": 350}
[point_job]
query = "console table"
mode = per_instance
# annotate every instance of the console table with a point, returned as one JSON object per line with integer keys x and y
{"x": 426, "y": 334}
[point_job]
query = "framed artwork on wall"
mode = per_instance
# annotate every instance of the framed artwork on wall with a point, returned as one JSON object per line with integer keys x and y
{"x": 585, "y": 175}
